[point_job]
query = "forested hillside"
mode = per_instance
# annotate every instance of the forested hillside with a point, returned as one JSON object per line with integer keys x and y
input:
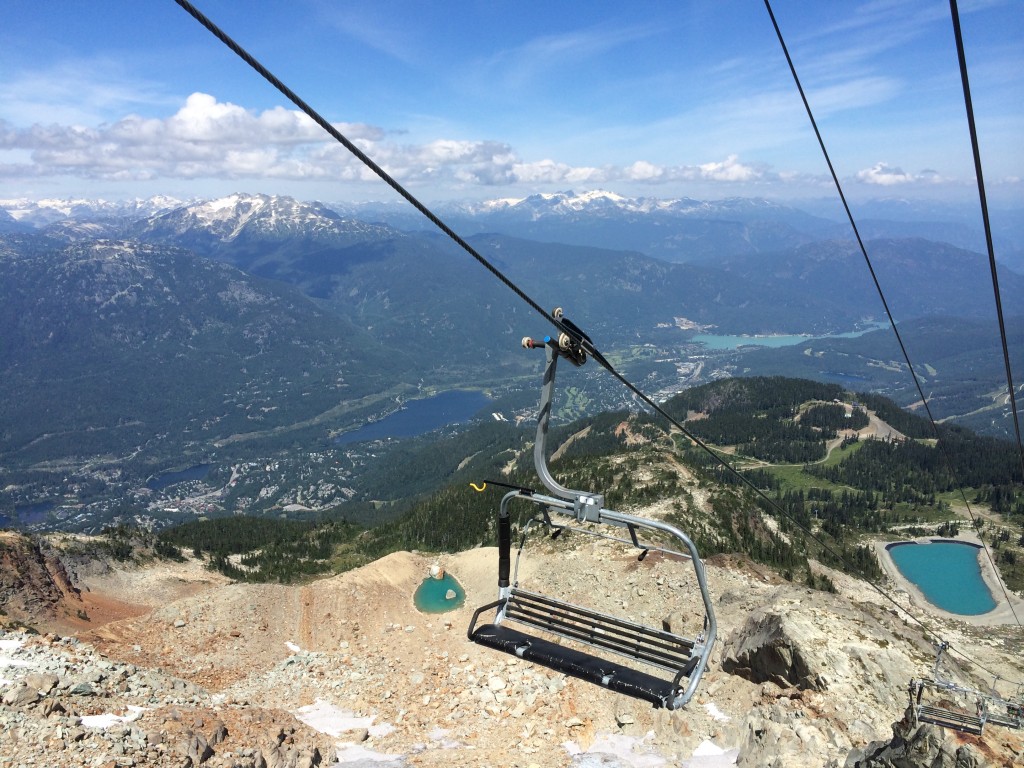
{"x": 824, "y": 507}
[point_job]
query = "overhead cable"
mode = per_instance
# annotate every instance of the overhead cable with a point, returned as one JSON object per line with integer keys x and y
{"x": 564, "y": 327}
{"x": 969, "y": 106}
{"x": 361, "y": 156}
{"x": 881, "y": 295}
{"x": 569, "y": 329}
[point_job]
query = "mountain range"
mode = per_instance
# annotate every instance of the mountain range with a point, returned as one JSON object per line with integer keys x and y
{"x": 685, "y": 229}
{"x": 804, "y": 281}
{"x": 108, "y": 345}
{"x": 257, "y": 313}
{"x": 241, "y": 334}
{"x": 672, "y": 229}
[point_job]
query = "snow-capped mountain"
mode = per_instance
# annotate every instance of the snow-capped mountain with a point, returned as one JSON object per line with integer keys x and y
{"x": 672, "y": 229}
{"x": 605, "y": 202}
{"x": 249, "y": 216}
{"x": 41, "y": 213}
{"x": 8, "y": 223}
{"x": 678, "y": 229}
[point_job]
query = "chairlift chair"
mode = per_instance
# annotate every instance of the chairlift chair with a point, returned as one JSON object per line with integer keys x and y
{"x": 1008, "y": 713}
{"x": 945, "y": 711}
{"x": 578, "y": 641}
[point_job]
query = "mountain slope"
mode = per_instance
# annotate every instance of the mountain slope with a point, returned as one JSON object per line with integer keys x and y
{"x": 919, "y": 277}
{"x": 347, "y": 666}
{"x": 9, "y": 224}
{"x": 958, "y": 361}
{"x": 110, "y": 345}
{"x": 790, "y": 284}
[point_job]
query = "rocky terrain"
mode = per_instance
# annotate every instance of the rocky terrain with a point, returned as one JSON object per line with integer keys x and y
{"x": 171, "y": 665}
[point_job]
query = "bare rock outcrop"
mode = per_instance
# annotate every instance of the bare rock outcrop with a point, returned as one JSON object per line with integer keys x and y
{"x": 819, "y": 642}
{"x": 775, "y": 648}
{"x": 919, "y": 745}
{"x": 33, "y": 582}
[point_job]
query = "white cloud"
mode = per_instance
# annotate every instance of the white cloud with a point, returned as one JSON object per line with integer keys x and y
{"x": 209, "y": 139}
{"x": 886, "y": 176}
{"x": 853, "y": 94}
{"x": 517, "y": 68}
{"x": 203, "y": 139}
{"x": 642, "y": 170}
{"x": 78, "y": 91}
{"x": 541, "y": 172}
{"x": 729, "y": 170}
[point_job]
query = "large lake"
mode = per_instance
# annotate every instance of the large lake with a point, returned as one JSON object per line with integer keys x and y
{"x": 712, "y": 341}
{"x": 166, "y": 479}
{"x": 417, "y": 417}
{"x": 947, "y": 572}
{"x": 28, "y": 514}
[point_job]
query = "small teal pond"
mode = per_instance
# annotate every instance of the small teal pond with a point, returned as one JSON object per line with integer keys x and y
{"x": 432, "y": 595}
{"x": 947, "y": 572}
{"x": 417, "y": 417}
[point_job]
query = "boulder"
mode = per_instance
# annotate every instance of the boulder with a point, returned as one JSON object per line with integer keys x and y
{"x": 772, "y": 647}
{"x": 42, "y": 682}
{"x": 220, "y": 732}
{"x": 21, "y": 696}
{"x": 195, "y": 748}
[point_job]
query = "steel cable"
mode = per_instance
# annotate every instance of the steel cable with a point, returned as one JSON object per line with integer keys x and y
{"x": 582, "y": 341}
{"x": 881, "y": 295}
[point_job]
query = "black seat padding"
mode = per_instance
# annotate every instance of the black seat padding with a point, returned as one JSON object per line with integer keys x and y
{"x": 561, "y": 658}
{"x": 590, "y": 628}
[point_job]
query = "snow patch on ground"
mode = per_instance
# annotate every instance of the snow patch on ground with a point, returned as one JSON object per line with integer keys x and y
{"x": 440, "y": 735}
{"x": 710, "y": 755}
{"x": 7, "y": 661}
{"x": 326, "y": 718}
{"x": 361, "y": 756}
{"x": 624, "y": 749}
{"x": 109, "y": 720}
{"x": 716, "y": 713}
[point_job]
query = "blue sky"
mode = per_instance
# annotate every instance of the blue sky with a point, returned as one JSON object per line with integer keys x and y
{"x": 482, "y": 100}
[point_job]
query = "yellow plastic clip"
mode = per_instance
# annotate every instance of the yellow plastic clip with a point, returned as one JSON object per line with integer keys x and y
{"x": 478, "y": 488}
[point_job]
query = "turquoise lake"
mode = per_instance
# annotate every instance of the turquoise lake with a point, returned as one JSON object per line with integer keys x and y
{"x": 947, "y": 572}
{"x": 430, "y": 595}
{"x": 712, "y": 341}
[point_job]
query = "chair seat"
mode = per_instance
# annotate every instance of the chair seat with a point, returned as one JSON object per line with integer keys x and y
{"x": 609, "y": 674}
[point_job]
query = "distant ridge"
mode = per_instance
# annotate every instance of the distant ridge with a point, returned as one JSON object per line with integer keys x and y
{"x": 45, "y": 211}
